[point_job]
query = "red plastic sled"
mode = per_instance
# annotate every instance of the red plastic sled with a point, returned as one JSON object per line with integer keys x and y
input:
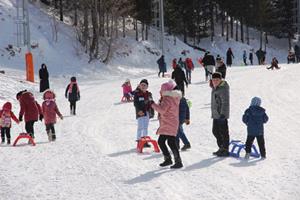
{"x": 144, "y": 140}
{"x": 26, "y": 136}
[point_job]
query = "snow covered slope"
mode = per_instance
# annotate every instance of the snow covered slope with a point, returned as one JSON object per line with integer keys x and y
{"x": 94, "y": 156}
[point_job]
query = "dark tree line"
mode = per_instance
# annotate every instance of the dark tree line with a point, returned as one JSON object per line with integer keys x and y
{"x": 100, "y": 22}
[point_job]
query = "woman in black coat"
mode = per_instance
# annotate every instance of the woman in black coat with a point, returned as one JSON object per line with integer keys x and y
{"x": 229, "y": 57}
{"x": 44, "y": 78}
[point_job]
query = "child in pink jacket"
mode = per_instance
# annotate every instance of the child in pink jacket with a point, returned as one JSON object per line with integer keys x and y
{"x": 127, "y": 90}
{"x": 6, "y": 115}
{"x": 50, "y": 109}
{"x": 168, "y": 108}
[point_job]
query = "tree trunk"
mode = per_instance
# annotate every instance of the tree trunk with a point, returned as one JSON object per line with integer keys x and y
{"x": 147, "y": 32}
{"x": 95, "y": 31}
{"x": 143, "y": 31}
{"x": 227, "y": 28}
{"x": 75, "y": 14}
{"x": 222, "y": 23}
{"x": 236, "y": 31}
{"x": 85, "y": 28}
{"x": 212, "y": 22}
{"x": 61, "y": 11}
{"x": 247, "y": 34}
{"x": 136, "y": 30}
{"x": 260, "y": 39}
{"x": 55, "y": 4}
{"x": 242, "y": 30}
{"x": 231, "y": 27}
{"x": 124, "y": 30}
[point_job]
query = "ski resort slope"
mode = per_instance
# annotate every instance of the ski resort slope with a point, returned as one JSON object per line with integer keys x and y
{"x": 94, "y": 156}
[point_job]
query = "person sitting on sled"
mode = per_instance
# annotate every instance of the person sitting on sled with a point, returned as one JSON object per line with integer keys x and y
{"x": 127, "y": 90}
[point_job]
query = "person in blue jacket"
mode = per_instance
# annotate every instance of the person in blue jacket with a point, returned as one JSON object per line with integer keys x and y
{"x": 255, "y": 117}
{"x": 184, "y": 117}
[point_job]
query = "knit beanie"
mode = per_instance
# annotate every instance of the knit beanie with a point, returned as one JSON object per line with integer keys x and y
{"x": 217, "y": 75}
{"x": 144, "y": 81}
{"x": 255, "y": 101}
{"x": 168, "y": 86}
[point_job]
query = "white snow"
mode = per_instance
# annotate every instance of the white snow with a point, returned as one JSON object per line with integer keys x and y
{"x": 95, "y": 157}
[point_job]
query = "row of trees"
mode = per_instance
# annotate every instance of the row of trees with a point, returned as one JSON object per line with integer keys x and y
{"x": 99, "y": 22}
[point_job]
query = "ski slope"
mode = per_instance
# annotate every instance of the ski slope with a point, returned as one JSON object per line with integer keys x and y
{"x": 94, "y": 156}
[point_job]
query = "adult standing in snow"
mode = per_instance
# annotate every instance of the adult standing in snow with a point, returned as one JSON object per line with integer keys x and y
{"x": 189, "y": 67}
{"x": 73, "y": 94}
{"x": 297, "y": 53}
{"x": 251, "y": 56}
{"x": 30, "y": 109}
{"x": 209, "y": 64}
{"x": 220, "y": 113}
{"x": 260, "y": 56}
{"x": 44, "y": 78}
{"x": 229, "y": 57}
{"x": 245, "y": 57}
{"x": 162, "y": 66}
{"x": 179, "y": 77}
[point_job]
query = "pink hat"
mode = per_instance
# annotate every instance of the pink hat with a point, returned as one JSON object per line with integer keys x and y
{"x": 170, "y": 85}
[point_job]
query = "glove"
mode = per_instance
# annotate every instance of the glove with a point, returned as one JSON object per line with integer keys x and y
{"x": 41, "y": 117}
{"x": 187, "y": 121}
{"x": 20, "y": 118}
{"x": 61, "y": 117}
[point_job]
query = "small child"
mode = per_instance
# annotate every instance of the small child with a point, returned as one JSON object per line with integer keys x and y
{"x": 5, "y": 121}
{"x": 142, "y": 99}
{"x": 255, "y": 117}
{"x": 73, "y": 95}
{"x": 168, "y": 109}
{"x": 50, "y": 109}
{"x": 184, "y": 117}
{"x": 127, "y": 90}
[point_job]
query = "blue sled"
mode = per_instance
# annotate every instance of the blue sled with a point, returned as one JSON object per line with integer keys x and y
{"x": 237, "y": 146}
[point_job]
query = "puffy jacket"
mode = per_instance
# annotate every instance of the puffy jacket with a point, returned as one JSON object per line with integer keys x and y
{"x": 255, "y": 117}
{"x": 169, "y": 112}
{"x": 220, "y": 101}
{"x": 184, "y": 110}
{"x": 29, "y": 107}
{"x": 142, "y": 101}
{"x": 50, "y": 110}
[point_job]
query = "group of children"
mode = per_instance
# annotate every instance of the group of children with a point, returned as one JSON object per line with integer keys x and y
{"x": 32, "y": 111}
{"x": 173, "y": 112}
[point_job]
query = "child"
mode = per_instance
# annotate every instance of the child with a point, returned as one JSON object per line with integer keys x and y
{"x": 184, "y": 117}
{"x": 73, "y": 95}
{"x": 274, "y": 64}
{"x": 127, "y": 90}
{"x": 50, "y": 109}
{"x": 5, "y": 123}
{"x": 142, "y": 99}
{"x": 168, "y": 122}
{"x": 254, "y": 117}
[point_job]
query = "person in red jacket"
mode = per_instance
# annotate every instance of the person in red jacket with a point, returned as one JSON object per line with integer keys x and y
{"x": 6, "y": 115}
{"x": 30, "y": 109}
{"x": 50, "y": 109}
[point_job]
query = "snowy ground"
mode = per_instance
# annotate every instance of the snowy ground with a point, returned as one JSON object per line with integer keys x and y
{"x": 94, "y": 156}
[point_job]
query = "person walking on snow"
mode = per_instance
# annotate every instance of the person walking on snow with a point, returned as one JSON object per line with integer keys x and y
{"x": 229, "y": 57}
{"x": 245, "y": 57}
{"x": 142, "y": 99}
{"x": 6, "y": 115}
{"x": 209, "y": 64}
{"x": 127, "y": 90}
{"x": 72, "y": 93}
{"x": 31, "y": 110}
{"x": 179, "y": 77}
{"x": 50, "y": 110}
{"x": 255, "y": 117}
{"x": 220, "y": 66}
{"x": 44, "y": 78}
{"x": 251, "y": 56}
{"x": 184, "y": 117}
{"x": 220, "y": 113}
{"x": 162, "y": 66}
{"x": 189, "y": 67}
{"x": 168, "y": 109}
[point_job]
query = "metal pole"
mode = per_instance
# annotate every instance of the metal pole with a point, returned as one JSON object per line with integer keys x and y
{"x": 162, "y": 26}
{"x": 27, "y": 25}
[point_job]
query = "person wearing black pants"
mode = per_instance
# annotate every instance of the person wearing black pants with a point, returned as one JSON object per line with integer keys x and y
{"x": 50, "y": 128}
{"x": 261, "y": 144}
{"x": 29, "y": 128}
{"x": 171, "y": 143}
{"x": 220, "y": 131}
{"x": 72, "y": 94}
{"x": 5, "y": 131}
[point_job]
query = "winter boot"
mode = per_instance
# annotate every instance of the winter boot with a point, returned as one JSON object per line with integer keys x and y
{"x": 217, "y": 152}
{"x": 8, "y": 141}
{"x": 53, "y": 137}
{"x": 186, "y": 146}
{"x": 2, "y": 141}
{"x": 247, "y": 156}
{"x": 49, "y": 136}
{"x": 223, "y": 153}
{"x": 168, "y": 161}
{"x": 178, "y": 164}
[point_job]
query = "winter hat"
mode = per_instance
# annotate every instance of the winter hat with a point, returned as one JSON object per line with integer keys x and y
{"x": 127, "y": 80}
{"x": 49, "y": 94}
{"x": 170, "y": 85}
{"x": 217, "y": 75}
{"x": 255, "y": 101}
{"x": 144, "y": 81}
{"x": 7, "y": 106}
{"x": 20, "y": 93}
{"x": 73, "y": 79}
{"x": 43, "y": 66}
{"x": 218, "y": 58}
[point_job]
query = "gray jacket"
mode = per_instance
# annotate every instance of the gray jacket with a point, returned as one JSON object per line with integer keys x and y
{"x": 220, "y": 101}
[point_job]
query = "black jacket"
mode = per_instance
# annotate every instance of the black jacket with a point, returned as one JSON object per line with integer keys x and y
{"x": 209, "y": 60}
{"x": 74, "y": 95}
{"x": 142, "y": 102}
{"x": 179, "y": 76}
